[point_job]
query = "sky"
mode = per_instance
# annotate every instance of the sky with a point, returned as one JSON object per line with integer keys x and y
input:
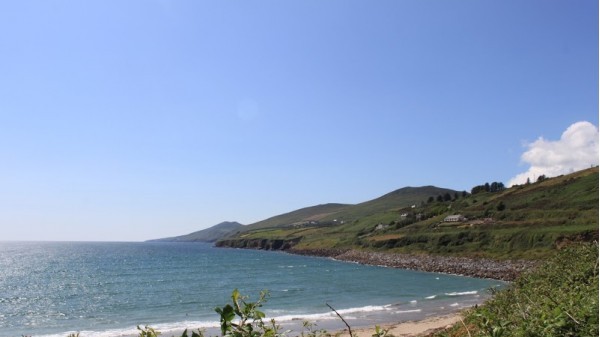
{"x": 134, "y": 120}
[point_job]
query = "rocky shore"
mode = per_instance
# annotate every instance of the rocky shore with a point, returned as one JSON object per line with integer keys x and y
{"x": 507, "y": 270}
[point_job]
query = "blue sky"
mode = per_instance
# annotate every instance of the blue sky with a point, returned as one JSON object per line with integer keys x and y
{"x": 132, "y": 120}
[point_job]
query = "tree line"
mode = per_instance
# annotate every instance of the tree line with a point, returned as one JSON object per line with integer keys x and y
{"x": 487, "y": 187}
{"x": 446, "y": 197}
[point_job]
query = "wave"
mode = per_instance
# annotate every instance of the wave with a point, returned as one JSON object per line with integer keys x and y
{"x": 430, "y": 297}
{"x": 332, "y": 315}
{"x": 474, "y": 292}
{"x": 407, "y": 311}
{"x": 281, "y": 316}
{"x": 164, "y": 328}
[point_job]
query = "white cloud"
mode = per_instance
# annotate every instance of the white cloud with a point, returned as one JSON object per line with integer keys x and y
{"x": 576, "y": 149}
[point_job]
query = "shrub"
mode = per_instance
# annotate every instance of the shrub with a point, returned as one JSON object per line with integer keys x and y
{"x": 558, "y": 299}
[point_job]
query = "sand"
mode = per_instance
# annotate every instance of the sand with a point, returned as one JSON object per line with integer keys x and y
{"x": 412, "y": 328}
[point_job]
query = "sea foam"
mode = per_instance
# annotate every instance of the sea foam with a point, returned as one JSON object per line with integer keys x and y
{"x": 464, "y": 293}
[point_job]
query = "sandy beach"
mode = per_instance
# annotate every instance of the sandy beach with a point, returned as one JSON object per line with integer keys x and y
{"x": 411, "y": 328}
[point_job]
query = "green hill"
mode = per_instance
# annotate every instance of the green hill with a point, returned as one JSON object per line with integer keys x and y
{"x": 339, "y": 222}
{"x": 527, "y": 221}
{"x": 329, "y": 214}
{"x": 211, "y": 234}
{"x": 524, "y": 221}
{"x": 302, "y": 216}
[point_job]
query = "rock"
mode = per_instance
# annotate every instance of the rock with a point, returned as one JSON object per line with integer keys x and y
{"x": 507, "y": 270}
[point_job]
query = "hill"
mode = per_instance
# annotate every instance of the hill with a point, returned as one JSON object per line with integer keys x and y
{"x": 301, "y": 216}
{"x": 329, "y": 214}
{"x": 526, "y": 221}
{"x": 211, "y": 234}
{"x": 318, "y": 216}
{"x": 335, "y": 219}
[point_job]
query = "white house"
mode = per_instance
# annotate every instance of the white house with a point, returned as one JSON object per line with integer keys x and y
{"x": 454, "y": 218}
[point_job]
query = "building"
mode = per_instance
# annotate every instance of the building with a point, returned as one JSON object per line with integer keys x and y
{"x": 454, "y": 218}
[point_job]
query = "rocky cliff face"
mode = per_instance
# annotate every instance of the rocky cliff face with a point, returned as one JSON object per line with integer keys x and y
{"x": 264, "y": 244}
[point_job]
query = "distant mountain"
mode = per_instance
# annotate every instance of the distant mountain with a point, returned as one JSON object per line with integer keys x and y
{"x": 211, "y": 234}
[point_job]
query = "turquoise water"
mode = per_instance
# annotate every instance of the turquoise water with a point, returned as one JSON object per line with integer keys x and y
{"x": 106, "y": 289}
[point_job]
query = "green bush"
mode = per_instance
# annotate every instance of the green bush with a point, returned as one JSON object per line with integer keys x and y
{"x": 250, "y": 319}
{"x": 558, "y": 299}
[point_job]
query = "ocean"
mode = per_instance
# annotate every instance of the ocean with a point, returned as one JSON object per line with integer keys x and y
{"x": 104, "y": 289}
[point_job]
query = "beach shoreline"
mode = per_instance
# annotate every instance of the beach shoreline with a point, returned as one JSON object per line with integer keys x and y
{"x": 409, "y": 328}
{"x": 415, "y": 328}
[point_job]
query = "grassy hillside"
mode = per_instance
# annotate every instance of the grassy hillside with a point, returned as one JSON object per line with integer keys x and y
{"x": 211, "y": 234}
{"x": 333, "y": 225}
{"x": 302, "y": 216}
{"x": 331, "y": 214}
{"x": 527, "y": 221}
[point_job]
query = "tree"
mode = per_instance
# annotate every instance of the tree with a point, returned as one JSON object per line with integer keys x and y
{"x": 487, "y": 187}
{"x": 496, "y": 187}
{"x": 477, "y": 189}
{"x": 439, "y": 198}
{"x": 430, "y": 200}
{"x": 447, "y": 197}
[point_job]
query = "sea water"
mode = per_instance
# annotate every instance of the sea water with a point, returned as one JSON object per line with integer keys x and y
{"x": 107, "y": 289}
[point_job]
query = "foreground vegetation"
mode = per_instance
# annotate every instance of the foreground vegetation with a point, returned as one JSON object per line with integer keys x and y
{"x": 558, "y": 299}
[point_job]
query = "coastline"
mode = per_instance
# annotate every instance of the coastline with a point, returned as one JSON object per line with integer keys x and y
{"x": 506, "y": 270}
{"x": 405, "y": 317}
{"x": 411, "y": 328}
